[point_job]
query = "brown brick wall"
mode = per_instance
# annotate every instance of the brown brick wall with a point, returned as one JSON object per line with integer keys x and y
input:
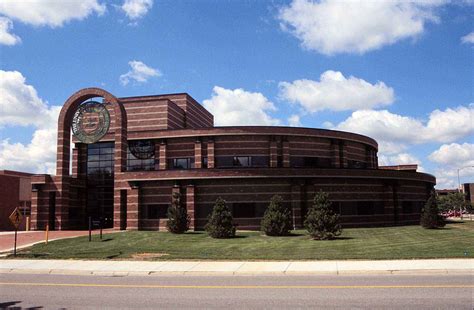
{"x": 181, "y": 127}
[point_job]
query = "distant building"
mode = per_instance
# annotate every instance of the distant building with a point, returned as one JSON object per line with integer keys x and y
{"x": 131, "y": 154}
{"x": 468, "y": 190}
{"x": 15, "y": 191}
{"x": 412, "y": 168}
{"x": 446, "y": 192}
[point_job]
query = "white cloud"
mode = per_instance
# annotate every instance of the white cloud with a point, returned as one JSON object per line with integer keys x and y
{"x": 332, "y": 27}
{"x": 294, "y": 121}
{"x": 451, "y": 157}
{"x": 51, "y": 13}
{"x": 468, "y": 38}
{"x": 239, "y": 107}
{"x": 6, "y": 37}
{"x": 19, "y": 102}
{"x": 140, "y": 73}
{"x": 454, "y": 154}
{"x": 442, "y": 126}
{"x": 337, "y": 93}
{"x": 398, "y": 159}
{"x": 450, "y": 124}
{"x": 39, "y": 156}
{"x": 20, "y": 105}
{"x": 135, "y": 9}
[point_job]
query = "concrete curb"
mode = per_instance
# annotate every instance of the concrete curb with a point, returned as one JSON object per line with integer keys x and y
{"x": 238, "y": 268}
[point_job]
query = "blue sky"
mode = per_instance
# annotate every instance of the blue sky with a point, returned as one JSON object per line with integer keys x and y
{"x": 400, "y": 72}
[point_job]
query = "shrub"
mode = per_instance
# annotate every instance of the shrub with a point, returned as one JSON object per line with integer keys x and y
{"x": 453, "y": 202}
{"x": 220, "y": 222}
{"x": 178, "y": 218}
{"x": 277, "y": 218}
{"x": 430, "y": 217}
{"x": 321, "y": 222}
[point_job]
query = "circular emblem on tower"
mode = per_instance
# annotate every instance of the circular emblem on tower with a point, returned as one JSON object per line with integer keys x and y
{"x": 91, "y": 122}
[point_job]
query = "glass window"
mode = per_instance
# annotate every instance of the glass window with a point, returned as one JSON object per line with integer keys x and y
{"x": 100, "y": 160}
{"x": 181, "y": 163}
{"x": 356, "y": 164}
{"x": 310, "y": 161}
{"x": 204, "y": 162}
{"x": 156, "y": 211}
{"x": 260, "y": 161}
{"x": 241, "y": 161}
{"x": 348, "y": 208}
{"x": 93, "y": 157}
{"x": 365, "y": 208}
{"x": 93, "y": 152}
{"x": 136, "y": 164}
{"x": 324, "y": 162}
{"x": 243, "y": 210}
{"x": 407, "y": 207}
{"x": 224, "y": 161}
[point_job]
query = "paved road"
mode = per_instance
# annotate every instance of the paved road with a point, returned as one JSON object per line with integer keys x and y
{"x": 237, "y": 292}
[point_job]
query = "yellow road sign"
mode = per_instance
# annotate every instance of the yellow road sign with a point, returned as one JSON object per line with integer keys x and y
{"x": 16, "y": 217}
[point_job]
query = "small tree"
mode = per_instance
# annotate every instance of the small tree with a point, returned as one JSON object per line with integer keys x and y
{"x": 453, "y": 202}
{"x": 277, "y": 218}
{"x": 178, "y": 218}
{"x": 220, "y": 222}
{"x": 321, "y": 222}
{"x": 430, "y": 217}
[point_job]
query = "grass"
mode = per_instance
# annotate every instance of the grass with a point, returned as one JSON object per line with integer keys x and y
{"x": 407, "y": 242}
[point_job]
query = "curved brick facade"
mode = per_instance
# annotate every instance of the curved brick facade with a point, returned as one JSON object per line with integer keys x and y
{"x": 245, "y": 165}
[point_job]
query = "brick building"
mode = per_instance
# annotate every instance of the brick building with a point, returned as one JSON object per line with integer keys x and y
{"x": 156, "y": 145}
{"x": 15, "y": 191}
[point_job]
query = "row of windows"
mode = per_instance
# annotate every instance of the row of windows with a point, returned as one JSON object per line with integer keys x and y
{"x": 310, "y": 162}
{"x": 252, "y": 210}
{"x": 100, "y": 159}
{"x": 239, "y": 210}
{"x": 241, "y": 161}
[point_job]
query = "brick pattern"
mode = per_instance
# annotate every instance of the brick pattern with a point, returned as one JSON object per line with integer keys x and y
{"x": 180, "y": 127}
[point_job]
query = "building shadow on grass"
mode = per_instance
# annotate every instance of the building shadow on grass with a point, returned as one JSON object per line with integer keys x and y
{"x": 12, "y": 305}
{"x": 114, "y": 255}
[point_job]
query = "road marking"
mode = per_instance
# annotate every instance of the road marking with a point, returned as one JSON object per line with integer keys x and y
{"x": 237, "y": 286}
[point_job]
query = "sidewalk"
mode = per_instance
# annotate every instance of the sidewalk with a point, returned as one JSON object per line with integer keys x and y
{"x": 28, "y": 238}
{"x": 140, "y": 268}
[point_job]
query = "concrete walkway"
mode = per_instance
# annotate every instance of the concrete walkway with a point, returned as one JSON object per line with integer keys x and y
{"x": 146, "y": 268}
{"x": 28, "y": 238}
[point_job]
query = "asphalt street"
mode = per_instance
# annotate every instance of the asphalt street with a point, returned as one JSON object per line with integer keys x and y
{"x": 22, "y": 291}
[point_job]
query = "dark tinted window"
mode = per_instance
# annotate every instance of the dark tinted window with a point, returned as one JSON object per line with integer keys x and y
{"x": 224, "y": 161}
{"x": 181, "y": 163}
{"x": 409, "y": 207}
{"x": 355, "y": 164}
{"x": 348, "y": 208}
{"x": 243, "y": 210}
{"x": 100, "y": 160}
{"x": 156, "y": 211}
{"x": 260, "y": 161}
{"x": 365, "y": 207}
{"x": 241, "y": 161}
{"x": 310, "y": 162}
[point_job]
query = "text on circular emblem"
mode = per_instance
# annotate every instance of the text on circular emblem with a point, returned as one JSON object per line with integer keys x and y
{"x": 91, "y": 122}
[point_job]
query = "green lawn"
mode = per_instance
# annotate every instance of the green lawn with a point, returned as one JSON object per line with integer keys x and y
{"x": 455, "y": 240}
